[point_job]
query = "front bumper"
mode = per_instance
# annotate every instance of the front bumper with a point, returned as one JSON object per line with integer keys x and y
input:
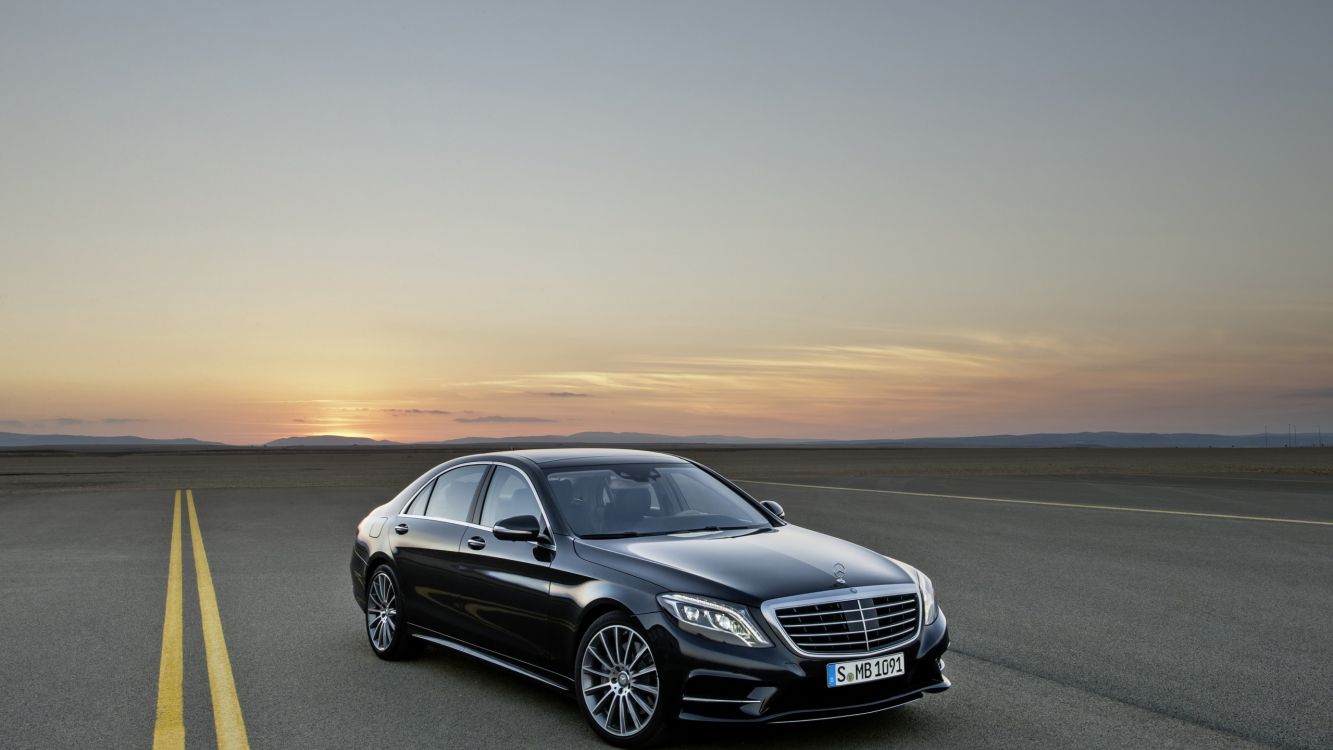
{"x": 733, "y": 684}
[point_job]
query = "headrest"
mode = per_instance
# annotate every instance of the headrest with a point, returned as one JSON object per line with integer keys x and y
{"x": 563, "y": 489}
{"x": 522, "y": 499}
{"x": 628, "y": 506}
{"x": 589, "y": 488}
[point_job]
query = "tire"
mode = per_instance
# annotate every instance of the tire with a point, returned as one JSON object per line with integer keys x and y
{"x": 619, "y": 684}
{"x": 385, "y": 630}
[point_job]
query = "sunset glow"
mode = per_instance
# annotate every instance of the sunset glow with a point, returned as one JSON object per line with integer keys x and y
{"x": 864, "y": 223}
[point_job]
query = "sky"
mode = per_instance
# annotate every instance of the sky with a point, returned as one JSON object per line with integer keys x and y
{"x": 420, "y": 221}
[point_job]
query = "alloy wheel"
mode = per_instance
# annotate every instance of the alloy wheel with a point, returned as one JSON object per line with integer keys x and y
{"x": 381, "y": 611}
{"x": 619, "y": 680}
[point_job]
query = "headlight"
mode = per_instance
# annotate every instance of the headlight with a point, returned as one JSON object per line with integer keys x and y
{"x": 926, "y": 589}
{"x": 927, "y": 596}
{"x": 710, "y": 618}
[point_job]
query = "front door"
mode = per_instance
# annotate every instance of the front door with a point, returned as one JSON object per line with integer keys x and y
{"x": 507, "y": 584}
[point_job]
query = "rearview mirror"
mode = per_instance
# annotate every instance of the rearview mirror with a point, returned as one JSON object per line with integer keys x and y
{"x": 774, "y": 508}
{"x": 518, "y": 529}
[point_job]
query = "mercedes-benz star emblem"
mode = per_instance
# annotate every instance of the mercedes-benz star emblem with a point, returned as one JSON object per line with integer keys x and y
{"x": 839, "y": 575}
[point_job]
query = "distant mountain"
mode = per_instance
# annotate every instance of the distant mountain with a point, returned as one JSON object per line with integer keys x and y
{"x": 1035, "y": 440}
{"x": 22, "y": 440}
{"x": 324, "y": 441}
{"x": 1099, "y": 440}
{"x": 624, "y": 438}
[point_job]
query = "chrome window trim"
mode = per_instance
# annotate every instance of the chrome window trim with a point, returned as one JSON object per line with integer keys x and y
{"x": 770, "y": 607}
{"x": 541, "y": 507}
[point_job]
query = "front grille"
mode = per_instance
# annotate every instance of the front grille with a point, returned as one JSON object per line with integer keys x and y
{"x": 850, "y": 626}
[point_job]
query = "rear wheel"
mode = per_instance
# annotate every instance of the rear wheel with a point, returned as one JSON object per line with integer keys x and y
{"x": 619, "y": 685}
{"x": 384, "y": 617}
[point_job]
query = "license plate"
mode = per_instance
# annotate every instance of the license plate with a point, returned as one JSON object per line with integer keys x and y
{"x": 864, "y": 670}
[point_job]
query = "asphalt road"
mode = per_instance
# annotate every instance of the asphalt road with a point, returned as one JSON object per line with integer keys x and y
{"x": 1071, "y": 626}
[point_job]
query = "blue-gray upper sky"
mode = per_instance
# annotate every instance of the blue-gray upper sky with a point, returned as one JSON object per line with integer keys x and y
{"x": 821, "y": 219}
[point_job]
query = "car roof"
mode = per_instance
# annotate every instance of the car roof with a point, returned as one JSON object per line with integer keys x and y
{"x": 588, "y": 456}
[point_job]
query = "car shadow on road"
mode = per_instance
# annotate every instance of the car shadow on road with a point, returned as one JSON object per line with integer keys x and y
{"x": 531, "y": 704}
{"x": 900, "y": 725}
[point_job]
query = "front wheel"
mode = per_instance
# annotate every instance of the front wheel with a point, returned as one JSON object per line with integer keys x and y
{"x": 619, "y": 686}
{"x": 384, "y": 618}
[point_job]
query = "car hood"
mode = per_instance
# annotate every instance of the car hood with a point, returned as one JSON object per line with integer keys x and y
{"x": 745, "y": 567}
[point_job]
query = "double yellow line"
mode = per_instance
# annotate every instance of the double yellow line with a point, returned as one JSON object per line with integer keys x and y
{"x": 169, "y": 729}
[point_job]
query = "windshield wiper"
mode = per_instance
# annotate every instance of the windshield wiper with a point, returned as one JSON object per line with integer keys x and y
{"x": 628, "y": 534}
{"x": 708, "y": 528}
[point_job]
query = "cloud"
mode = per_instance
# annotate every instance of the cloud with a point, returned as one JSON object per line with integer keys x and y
{"x": 415, "y": 412}
{"x": 71, "y": 421}
{"x": 1310, "y": 393}
{"x": 563, "y": 394}
{"x": 881, "y": 387}
{"x": 500, "y": 419}
{"x": 10, "y": 423}
{"x": 299, "y": 421}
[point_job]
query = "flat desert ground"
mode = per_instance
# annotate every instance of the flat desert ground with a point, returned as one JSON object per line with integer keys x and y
{"x": 1096, "y": 598}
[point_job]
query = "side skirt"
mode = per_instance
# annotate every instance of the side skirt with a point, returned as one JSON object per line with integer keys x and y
{"x": 482, "y": 655}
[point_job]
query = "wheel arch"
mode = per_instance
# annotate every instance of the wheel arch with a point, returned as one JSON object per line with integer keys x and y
{"x": 595, "y": 609}
{"x": 377, "y": 559}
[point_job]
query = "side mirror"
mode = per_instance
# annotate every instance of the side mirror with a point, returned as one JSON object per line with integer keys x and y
{"x": 774, "y": 508}
{"x": 518, "y": 529}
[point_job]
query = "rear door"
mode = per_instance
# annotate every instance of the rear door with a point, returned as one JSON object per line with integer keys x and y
{"x": 426, "y": 539}
{"x": 507, "y": 583}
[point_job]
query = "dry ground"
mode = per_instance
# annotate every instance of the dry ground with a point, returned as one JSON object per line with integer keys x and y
{"x": 1095, "y": 598}
{"x": 38, "y": 470}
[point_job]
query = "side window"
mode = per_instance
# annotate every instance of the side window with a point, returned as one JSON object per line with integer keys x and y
{"x": 418, "y": 503}
{"x": 451, "y": 498}
{"x": 509, "y": 495}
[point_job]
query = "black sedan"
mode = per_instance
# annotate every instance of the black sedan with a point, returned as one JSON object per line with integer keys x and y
{"x": 649, "y": 587}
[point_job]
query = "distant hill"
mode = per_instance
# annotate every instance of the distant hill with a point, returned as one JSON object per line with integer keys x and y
{"x": 22, "y": 440}
{"x": 621, "y": 438}
{"x": 1035, "y": 440}
{"x": 1099, "y": 440}
{"x": 324, "y": 441}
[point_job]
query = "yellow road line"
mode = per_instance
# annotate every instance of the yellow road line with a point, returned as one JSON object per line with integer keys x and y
{"x": 227, "y": 719}
{"x": 1083, "y": 506}
{"x": 169, "y": 727}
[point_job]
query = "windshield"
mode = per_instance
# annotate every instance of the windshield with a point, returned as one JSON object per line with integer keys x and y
{"x": 646, "y": 499}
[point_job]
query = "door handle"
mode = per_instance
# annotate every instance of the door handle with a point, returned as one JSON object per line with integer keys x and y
{"x": 401, "y": 528}
{"x": 476, "y": 542}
